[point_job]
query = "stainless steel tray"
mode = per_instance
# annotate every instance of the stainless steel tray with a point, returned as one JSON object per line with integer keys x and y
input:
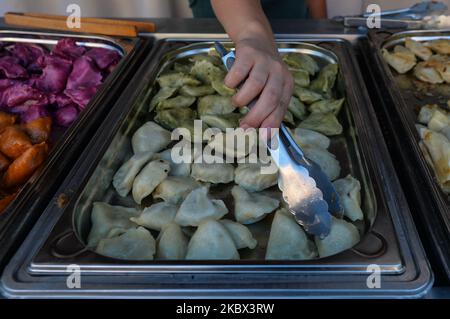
{"x": 99, "y": 186}
{"x": 65, "y": 144}
{"x": 401, "y": 262}
{"x": 403, "y": 96}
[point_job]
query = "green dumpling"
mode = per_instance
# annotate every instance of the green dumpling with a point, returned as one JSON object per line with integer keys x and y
{"x": 206, "y": 71}
{"x": 326, "y": 78}
{"x": 214, "y": 105}
{"x": 301, "y": 61}
{"x": 163, "y": 94}
{"x": 221, "y": 88}
{"x": 177, "y": 102}
{"x": 181, "y": 67}
{"x": 297, "y": 108}
{"x": 288, "y": 118}
{"x": 301, "y": 77}
{"x": 307, "y": 96}
{"x": 173, "y": 118}
{"x": 215, "y": 60}
{"x": 196, "y": 91}
{"x": 176, "y": 80}
{"x": 327, "y": 106}
{"x": 325, "y": 123}
{"x": 222, "y": 122}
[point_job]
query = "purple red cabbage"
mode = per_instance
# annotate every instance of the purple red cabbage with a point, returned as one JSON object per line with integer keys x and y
{"x": 60, "y": 100}
{"x": 10, "y": 68}
{"x": 35, "y": 82}
{"x": 22, "y": 94}
{"x": 103, "y": 58}
{"x": 68, "y": 49}
{"x": 64, "y": 116}
{"x": 54, "y": 74}
{"x": 82, "y": 95}
{"x": 28, "y": 55}
{"x": 84, "y": 74}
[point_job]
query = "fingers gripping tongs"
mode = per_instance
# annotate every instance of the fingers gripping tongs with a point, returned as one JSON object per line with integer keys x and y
{"x": 306, "y": 189}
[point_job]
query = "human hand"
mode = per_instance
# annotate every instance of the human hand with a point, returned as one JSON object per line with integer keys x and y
{"x": 262, "y": 73}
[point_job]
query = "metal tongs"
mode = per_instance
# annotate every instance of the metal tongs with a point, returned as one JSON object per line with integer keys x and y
{"x": 405, "y": 18}
{"x": 415, "y": 12}
{"x": 306, "y": 189}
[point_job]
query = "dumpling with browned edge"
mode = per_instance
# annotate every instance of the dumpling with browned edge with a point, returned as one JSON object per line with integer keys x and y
{"x": 105, "y": 217}
{"x": 343, "y": 235}
{"x": 441, "y": 46}
{"x": 402, "y": 62}
{"x": 132, "y": 244}
{"x": 240, "y": 234}
{"x": 156, "y": 216}
{"x": 287, "y": 239}
{"x": 438, "y": 146}
{"x": 440, "y": 122}
{"x": 442, "y": 65}
{"x": 151, "y": 176}
{"x": 211, "y": 241}
{"x": 125, "y": 175}
{"x": 171, "y": 243}
{"x": 150, "y": 137}
{"x": 252, "y": 177}
{"x": 174, "y": 189}
{"x": 250, "y": 208}
{"x": 198, "y": 206}
{"x": 424, "y": 71}
{"x": 427, "y": 111}
{"x": 349, "y": 190}
{"x": 418, "y": 49}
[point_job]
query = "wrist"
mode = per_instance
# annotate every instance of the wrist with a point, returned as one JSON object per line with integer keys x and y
{"x": 255, "y": 31}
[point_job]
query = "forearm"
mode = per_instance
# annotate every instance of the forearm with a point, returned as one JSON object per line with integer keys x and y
{"x": 243, "y": 19}
{"x": 318, "y": 9}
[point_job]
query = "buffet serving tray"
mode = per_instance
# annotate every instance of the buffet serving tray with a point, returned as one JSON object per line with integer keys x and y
{"x": 401, "y": 99}
{"x": 390, "y": 241}
{"x": 66, "y": 144}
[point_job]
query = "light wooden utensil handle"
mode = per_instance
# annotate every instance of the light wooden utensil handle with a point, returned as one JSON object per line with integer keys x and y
{"x": 112, "y": 28}
{"x": 141, "y": 26}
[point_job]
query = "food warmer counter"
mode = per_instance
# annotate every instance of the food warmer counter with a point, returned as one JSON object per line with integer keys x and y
{"x": 386, "y": 235}
{"x": 404, "y": 98}
{"x": 68, "y": 136}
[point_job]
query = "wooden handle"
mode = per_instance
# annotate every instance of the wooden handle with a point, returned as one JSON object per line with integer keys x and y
{"x": 58, "y": 24}
{"x": 141, "y": 26}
